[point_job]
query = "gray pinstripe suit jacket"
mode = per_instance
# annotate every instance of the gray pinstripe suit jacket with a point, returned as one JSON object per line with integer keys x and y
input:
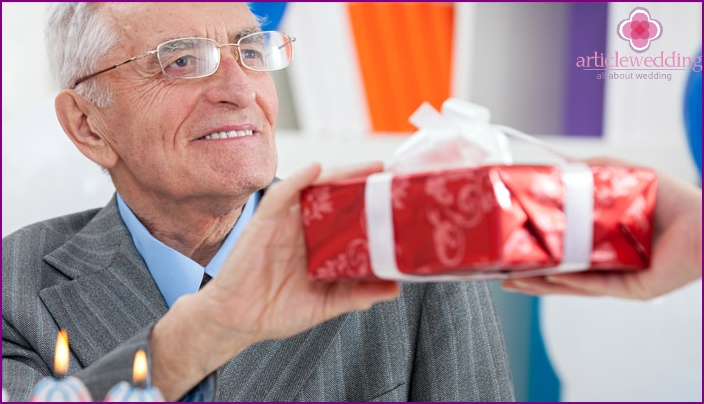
{"x": 82, "y": 273}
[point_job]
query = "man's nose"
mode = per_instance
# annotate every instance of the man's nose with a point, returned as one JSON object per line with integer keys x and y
{"x": 235, "y": 84}
{"x": 230, "y": 49}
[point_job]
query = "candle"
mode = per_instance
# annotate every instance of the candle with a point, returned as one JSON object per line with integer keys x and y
{"x": 139, "y": 390}
{"x": 61, "y": 388}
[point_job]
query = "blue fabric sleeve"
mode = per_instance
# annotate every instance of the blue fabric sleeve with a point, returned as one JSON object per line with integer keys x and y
{"x": 204, "y": 391}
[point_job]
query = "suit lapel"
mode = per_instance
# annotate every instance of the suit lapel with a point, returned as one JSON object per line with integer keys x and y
{"x": 110, "y": 288}
{"x": 111, "y": 296}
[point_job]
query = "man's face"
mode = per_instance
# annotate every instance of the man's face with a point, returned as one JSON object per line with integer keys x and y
{"x": 157, "y": 126}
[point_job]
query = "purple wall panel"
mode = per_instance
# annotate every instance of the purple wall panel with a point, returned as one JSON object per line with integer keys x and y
{"x": 584, "y": 101}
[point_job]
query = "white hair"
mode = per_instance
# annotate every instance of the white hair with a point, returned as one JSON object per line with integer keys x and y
{"x": 77, "y": 39}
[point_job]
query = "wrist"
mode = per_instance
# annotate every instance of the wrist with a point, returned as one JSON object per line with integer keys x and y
{"x": 188, "y": 344}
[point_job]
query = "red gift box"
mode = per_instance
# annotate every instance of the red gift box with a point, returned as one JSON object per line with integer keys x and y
{"x": 492, "y": 221}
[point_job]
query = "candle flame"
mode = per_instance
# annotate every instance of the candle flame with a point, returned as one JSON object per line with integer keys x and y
{"x": 139, "y": 371}
{"x": 61, "y": 354}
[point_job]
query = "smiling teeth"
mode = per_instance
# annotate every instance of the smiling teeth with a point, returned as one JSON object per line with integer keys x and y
{"x": 232, "y": 133}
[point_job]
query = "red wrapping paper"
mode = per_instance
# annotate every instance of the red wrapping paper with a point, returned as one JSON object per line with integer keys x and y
{"x": 460, "y": 222}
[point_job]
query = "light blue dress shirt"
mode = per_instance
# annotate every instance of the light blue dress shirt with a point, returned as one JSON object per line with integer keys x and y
{"x": 174, "y": 273}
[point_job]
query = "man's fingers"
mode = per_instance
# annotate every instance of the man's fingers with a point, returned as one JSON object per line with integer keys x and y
{"x": 299, "y": 180}
{"x": 285, "y": 193}
{"x": 610, "y": 161}
{"x": 590, "y": 283}
{"x": 352, "y": 295}
{"x": 349, "y": 172}
{"x": 367, "y": 293}
{"x": 618, "y": 284}
{"x": 539, "y": 286}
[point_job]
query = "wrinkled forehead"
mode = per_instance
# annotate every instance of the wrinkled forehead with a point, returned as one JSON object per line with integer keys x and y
{"x": 148, "y": 24}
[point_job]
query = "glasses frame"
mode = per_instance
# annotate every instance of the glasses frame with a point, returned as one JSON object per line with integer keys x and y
{"x": 238, "y": 57}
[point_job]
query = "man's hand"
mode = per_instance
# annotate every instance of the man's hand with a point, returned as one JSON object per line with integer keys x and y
{"x": 676, "y": 259}
{"x": 262, "y": 292}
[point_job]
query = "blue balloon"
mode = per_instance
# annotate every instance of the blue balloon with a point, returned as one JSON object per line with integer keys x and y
{"x": 693, "y": 115}
{"x": 271, "y": 12}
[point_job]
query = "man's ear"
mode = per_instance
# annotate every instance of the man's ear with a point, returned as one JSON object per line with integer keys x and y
{"x": 73, "y": 112}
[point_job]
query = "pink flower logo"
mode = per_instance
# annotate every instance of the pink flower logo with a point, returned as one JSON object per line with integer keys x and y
{"x": 639, "y": 30}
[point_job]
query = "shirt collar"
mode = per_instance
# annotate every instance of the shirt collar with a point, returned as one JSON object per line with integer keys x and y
{"x": 174, "y": 273}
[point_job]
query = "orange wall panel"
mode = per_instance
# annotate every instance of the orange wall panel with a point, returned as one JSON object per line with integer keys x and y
{"x": 405, "y": 55}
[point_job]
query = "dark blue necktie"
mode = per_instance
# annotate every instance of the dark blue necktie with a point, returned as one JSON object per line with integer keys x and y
{"x": 206, "y": 279}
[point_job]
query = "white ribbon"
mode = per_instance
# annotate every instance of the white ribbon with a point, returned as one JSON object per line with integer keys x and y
{"x": 578, "y": 206}
{"x": 459, "y": 137}
{"x": 380, "y": 232}
{"x": 462, "y": 136}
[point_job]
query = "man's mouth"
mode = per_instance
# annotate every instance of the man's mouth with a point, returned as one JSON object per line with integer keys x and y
{"x": 229, "y": 134}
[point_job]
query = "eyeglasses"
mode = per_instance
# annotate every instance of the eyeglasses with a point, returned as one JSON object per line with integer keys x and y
{"x": 192, "y": 58}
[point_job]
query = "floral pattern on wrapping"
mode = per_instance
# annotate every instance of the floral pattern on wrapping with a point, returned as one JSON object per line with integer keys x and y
{"x": 450, "y": 216}
{"x": 317, "y": 204}
{"x": 399, "y": 193}
{"x": 353, "y": 262}
{"x": 436, "y": 187}
{"x": 448, "y": 240}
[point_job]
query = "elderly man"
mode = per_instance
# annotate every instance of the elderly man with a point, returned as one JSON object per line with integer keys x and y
{"x": 175, "y": 101}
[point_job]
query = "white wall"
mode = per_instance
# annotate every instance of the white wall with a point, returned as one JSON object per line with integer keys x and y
{"x": 44, "y": 176}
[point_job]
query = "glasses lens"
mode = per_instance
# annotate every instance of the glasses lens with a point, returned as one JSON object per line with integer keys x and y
{"x": 265, "y": 51}
{"x": 189, "y": 57}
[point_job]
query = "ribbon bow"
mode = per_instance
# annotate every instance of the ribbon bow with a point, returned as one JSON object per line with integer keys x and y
{"x": 460, "y": 136}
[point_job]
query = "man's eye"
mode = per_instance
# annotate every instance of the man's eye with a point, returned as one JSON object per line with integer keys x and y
{"x": 251, "y": 54}
{"x": 183, "y": 61}
{"x": 182, "y": 66}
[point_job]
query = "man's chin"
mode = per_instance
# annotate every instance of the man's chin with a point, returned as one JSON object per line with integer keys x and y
{"x": 254, "y": 183}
